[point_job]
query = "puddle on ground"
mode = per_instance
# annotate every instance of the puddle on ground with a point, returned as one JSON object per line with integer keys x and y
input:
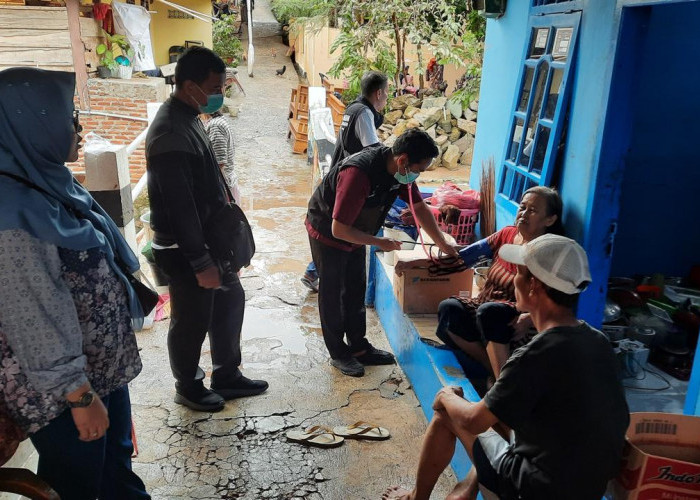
{"x": 280, "y": 325}
{"x": 287, "y": 266}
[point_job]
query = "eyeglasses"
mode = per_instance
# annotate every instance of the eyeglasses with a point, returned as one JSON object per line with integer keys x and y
{"x": 76, "y": 121}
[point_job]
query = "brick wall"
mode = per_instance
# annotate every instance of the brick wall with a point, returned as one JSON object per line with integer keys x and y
{"x": 121, "y": 97}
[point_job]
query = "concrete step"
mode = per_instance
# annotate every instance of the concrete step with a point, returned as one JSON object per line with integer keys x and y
{"x": 428, "y": 368}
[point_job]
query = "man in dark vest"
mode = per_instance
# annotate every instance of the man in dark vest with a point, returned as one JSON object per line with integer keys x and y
{"x": 345, "y": 212}
{"x": 357, "y": 131}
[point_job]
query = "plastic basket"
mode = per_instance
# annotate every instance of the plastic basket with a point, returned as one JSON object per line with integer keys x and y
{"x": 463, "y": 231}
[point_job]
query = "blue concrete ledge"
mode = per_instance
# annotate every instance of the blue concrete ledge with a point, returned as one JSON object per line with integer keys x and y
{"x": 427, "y": 368}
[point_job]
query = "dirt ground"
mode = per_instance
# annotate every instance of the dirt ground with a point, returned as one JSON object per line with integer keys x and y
{"x": 242, "y": 451}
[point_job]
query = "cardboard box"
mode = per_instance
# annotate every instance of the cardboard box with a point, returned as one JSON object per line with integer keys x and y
{"x": 661, "y": 459}
{"x": 420, "y": 293}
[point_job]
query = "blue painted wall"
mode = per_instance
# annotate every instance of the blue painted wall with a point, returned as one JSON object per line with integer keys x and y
{"x": 658, "y": 222}
{"x": 505, "y": 41}
{"x": 596, "y": 50}
{"x": 629, "y": 176}
{"x": 590, "y": 183}
{"x": 503, "y": 51}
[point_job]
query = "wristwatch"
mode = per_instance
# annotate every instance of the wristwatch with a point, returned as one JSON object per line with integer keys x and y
{"x": 85, "y": 400}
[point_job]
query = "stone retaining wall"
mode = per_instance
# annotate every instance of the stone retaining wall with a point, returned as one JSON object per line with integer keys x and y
{"x": 452, "y": 127}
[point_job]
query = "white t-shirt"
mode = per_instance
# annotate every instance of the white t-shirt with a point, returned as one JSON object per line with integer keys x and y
{"x": 365, "y": 130}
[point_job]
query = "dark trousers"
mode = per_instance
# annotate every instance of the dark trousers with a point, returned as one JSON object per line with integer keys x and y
{"x": 489, "y": 322}
{"x": 80, "y": 470}
{"x": 196, "y": 311}
{"x": 341, "y": 298}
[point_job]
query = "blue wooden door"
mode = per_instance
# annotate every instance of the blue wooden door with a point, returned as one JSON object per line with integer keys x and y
{"x": 540, "y": 108}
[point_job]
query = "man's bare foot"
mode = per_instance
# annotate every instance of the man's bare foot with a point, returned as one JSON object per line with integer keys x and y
{"x": 464, "y": 490}
{"x": 397, "y": 493}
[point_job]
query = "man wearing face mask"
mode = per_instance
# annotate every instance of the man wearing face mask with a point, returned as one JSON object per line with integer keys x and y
{"x": 358, "y": 131}
{"x": 345, "y": 212}
{"x": 185, "y": 188}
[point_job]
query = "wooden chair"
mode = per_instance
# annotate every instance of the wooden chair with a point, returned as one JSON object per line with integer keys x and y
{"x": 299, "y": 132}
{"x": 299, "y": 105}
{"x": 15, "y": 480}
{"x": 24, "y": 482}
{"x": 337, "y": 109}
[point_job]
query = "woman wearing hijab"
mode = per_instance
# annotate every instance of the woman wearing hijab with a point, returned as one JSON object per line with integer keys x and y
{"x": 67, "y": 346}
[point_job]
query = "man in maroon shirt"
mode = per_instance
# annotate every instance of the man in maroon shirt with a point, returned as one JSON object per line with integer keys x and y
{"x": 345, "y": 213}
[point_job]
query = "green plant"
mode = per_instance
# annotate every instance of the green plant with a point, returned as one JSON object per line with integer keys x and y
{"x": 118, "y": 44}
{"x": 287, "y": 10}
{"x": 354, "y": 60}
{"x": 449, "y": 29}
{"x": 468, "y": 86}
{"x": 226, "y": 43}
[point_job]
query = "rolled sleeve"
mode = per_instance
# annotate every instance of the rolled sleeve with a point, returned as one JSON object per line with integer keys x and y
{"x": 365, "y": 130}
{"x": 38, "y": 316}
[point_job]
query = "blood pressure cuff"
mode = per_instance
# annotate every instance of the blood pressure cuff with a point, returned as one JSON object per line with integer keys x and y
{"x": 476, "y": 252}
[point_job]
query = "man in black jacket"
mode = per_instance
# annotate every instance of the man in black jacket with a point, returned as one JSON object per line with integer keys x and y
{"x": 358, "y": 130}
{"x": 185, "y": 188}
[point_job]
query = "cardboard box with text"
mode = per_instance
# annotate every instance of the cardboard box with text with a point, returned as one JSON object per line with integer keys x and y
{"x": 420, "y": 293}
{"x": 661, "y": 460}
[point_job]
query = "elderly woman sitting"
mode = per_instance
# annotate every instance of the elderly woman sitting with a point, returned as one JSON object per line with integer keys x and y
{"x": 488, "y": 326}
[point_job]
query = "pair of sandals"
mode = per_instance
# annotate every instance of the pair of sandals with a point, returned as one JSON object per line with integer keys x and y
{"x": 324, "y": 437}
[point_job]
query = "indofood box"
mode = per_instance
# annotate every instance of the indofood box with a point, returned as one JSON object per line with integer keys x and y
{"x": 661, "y": 459}
{"x": 420, "y": 293}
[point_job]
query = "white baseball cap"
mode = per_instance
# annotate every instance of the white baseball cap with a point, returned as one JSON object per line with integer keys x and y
{"x": 556, "y": 261}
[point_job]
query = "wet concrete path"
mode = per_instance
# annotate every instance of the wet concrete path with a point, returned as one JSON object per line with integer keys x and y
{"x": 241, "y": 452}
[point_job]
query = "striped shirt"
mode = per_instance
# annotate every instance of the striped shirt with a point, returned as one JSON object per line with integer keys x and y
{"x": 221, "y": 136}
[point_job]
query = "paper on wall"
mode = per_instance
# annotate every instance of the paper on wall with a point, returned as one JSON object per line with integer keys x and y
{"x": 133, "y": 21}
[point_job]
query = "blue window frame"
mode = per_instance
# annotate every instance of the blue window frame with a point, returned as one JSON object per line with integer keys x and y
{"x": 550, "y": 6}
{"x": 540, "y": 107}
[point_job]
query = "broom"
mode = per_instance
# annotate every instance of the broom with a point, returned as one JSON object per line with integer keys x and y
{"x": 487, "y": 194}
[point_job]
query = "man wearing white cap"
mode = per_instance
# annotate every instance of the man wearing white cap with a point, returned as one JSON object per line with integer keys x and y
{"x": 559, "y": 396}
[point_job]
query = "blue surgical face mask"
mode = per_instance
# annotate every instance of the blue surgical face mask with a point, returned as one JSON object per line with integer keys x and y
{"x": 406, "y": 178}
{"x": 214, "y": 102}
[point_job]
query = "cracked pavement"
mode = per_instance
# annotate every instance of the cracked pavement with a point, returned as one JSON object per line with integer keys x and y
{"x": 241, "y": 452}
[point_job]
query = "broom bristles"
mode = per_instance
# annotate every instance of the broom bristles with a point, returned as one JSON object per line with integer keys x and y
{"x": 487, "y": 193}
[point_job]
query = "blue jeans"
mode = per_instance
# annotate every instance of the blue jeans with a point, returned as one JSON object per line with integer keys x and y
{"x": 311, "y": 268}
{"x": 80, "y": 470}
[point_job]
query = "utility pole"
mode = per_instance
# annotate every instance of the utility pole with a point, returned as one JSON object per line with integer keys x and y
{"x": 251, "y": 49}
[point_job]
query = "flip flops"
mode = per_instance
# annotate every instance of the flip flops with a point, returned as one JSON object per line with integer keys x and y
{"x": 318, "y": 436}
{"x": 435, "y": 344}
{"x": 362, "y": 430}
{"x": 323, "y": 437}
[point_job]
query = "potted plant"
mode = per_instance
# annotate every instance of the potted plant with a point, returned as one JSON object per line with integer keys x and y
{"x": 115, "y": 57}
{"x": 226, "y": 43}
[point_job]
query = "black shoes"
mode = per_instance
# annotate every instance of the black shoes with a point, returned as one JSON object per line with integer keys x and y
{"x": 199, "y": 399}
{"x": 240, "y": 388}
{"x": 374, "y": 356}
{"x": 349, "y": 366}
{"x": 354, "y": 366}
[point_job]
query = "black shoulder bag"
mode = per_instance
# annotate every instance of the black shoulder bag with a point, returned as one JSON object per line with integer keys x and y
{"x": 147, "y": 297}
{"x": 228, "y": 234}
